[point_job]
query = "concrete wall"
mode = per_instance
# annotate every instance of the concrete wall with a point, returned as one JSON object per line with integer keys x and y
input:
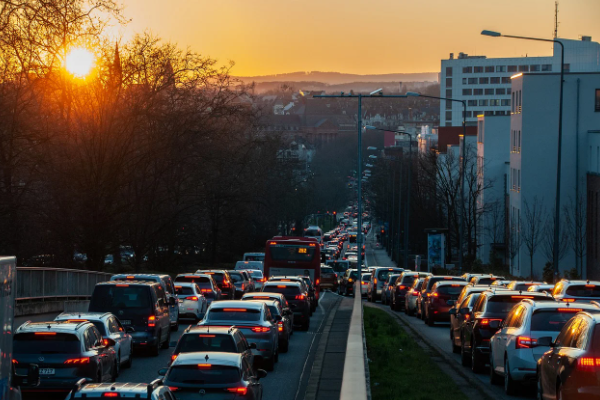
{"x": 25, "y": 309}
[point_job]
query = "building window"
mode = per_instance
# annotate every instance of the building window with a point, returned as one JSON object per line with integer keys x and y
{"x": 506, "y": 79}
{"x": 567, "y": 67}
{"x": 500, "y": 91}
{"x": 471, "y": 103}
{"x": 489, "y": 69}
{"x": 448, "y": 82}
{"x": 486, "y": 113}
{"x": 483, "y": 103}
{"x": 448, "y": 115}
{"x": 494, "y": 102}
{"x": 500, "y": 68}
{"x": 534, "y": 68}
{"x": 472, "y": 81}
{"x": 505, "y": 103}
{"x": 512, "y": 68}
{"x": 508, "y": 90}
{"x": 494, "y": 80}
{"x": 597, "y": 102}
{"x": 477, "y": 69}
{"x": 489, "y": 91}
{"x": 484, "y": 81}
{"x": 523, "y": 68}
{"x": 467, "y": 70}
{"x": 518, "y": 180}
{"x": 477, "y": 113}
{"x": 448, "y": 71}
{"x": 477, "y": 92}
{"x": 467, "y": 114}
{"x": 547, "y": 68}
{"x": 467, "y": 92}
{"x": 499, "y": 113}
{"x": 464, "y": 81}
{"x": 449, "y": 93}
{"x": 512, "y": 109}
{"x": 449, "y": 103}
{"x": 519, "y": 142}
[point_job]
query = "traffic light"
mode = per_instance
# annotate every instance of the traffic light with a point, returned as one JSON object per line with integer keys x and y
{"x": 335, "y": 213}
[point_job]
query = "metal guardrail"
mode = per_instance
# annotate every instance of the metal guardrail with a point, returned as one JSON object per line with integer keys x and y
{"x": 40, "y": 284}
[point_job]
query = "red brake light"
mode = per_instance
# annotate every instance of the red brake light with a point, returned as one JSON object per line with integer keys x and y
{"x": 204, "y": 365}
{"x": 193, "y": 298}
{"x": 414, "y": 293}
{"x": 524, "y": 342}
{"x": 241, "y": 390}
{"x": 205, "y": 290}
{"x": 568, "y": 300}
{"x": 131, "y": 277}
{"x": 235, "y": 310}
{"x": 151, "y": 321}
{"x": 318, "y": 280}
{"x": 110, "y": 394}
{"x": 272, "y": 243}
{"x": 46, "y": 333}
{"x": 280, "y": 326}
{"x": 486, "y": 321}
{"x": 573, "y": 310}
{"x": 587, "y": 363}
{"x": 14, "y": 361}
{"x": 260, "y": 329}
{"x": 402, "y": 287}
{"x": 84, "y": 360}
{"x": 435, "y": 294}
{"x": 590, "y": 286}
{"x": 375, "y": 281}
{"x": 173, "y": 388}
{"x": 448, "y": 278}
{"x": 281, "y": 286}
{"x": 299, "y": 297}
{"x": 206, "y": 335}
{"x": 173, "y": 357}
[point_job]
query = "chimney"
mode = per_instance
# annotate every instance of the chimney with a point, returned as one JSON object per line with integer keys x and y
{"x": 586, "y": 38}
{"x": 452, "y": 56}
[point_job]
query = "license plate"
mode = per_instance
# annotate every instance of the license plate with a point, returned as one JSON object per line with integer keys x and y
{"x": 126, "y": 321}
{"x": 46, "y": 371}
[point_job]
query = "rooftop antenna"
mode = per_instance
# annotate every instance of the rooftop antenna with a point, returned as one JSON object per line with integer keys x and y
{"x": 555, "y": 19}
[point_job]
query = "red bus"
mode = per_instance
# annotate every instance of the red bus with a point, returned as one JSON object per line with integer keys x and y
{"x": 294, "y": 256}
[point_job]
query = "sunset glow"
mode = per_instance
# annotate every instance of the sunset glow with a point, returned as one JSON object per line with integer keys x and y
{"x": 79, "y": 62}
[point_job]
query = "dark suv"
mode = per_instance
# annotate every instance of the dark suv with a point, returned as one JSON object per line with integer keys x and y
{"x": 223, "y": 281}
{"x": 297, "y": 299}
{"x": 65, "y": 352}
{"x": 426, "y": 290}
{"x": 490, "y": 309}
{"x": 139, "y": 305}
{"x": 442, "y": 297}
{"x": 401, "y": 286}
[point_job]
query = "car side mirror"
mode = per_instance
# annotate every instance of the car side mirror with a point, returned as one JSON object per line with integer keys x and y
{"x": 261, "y": 373}
{"x": 253, "y": 345}
{"x": 495, "y": 324}
{"x": 162, "y": 371}
{"x": 108, "y": 342}
{"x": 452, "y": 311}
{"x": 545, "y": 341}
{"x": 130, "y": 329}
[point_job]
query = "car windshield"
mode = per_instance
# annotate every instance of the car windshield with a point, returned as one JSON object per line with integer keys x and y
{"x": 117, "y": 297}
{"x": 583, "y": 291}
{"x": 198, "y": 374}
{"x": 194, "y": 279}
{"x": 233, "y": 314}
{"x": 183, "y": 290}
{"x": 502, "y": 304}
{"x": 46, "y": 343}
{"x": 287, "y": 291}
{"x": 256, "y": 274}
{"x": 486, "y": 281}
{"x": 192, "y": 342}
{"x": 551, "y": 320}
{"x": 236, "y": 277}
{"x": 217, "y": 276}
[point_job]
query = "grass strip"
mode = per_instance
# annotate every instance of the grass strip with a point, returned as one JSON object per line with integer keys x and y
{"x": 399, "y": 368}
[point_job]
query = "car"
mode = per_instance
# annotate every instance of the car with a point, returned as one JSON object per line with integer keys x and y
{"x": 378, "y": 278}
{"x": 401, "y": 286}
{"x": 254, "y": 257}
{"x": 500, "y": 283}
{"x": 258, "y": 265}
{"x": 306, "y": 287}
{"x": 206, "y": 283}
{"x": 109, "y": 326}
{"x": 490, "y": 309}
{"x": 297, "y": 297}
{"x": 214, "y": 338}
{"x": 167, "y": 284}
{"x": 284, "y": 322}
{"x": 329, "y": 278}
{"x": 386, "y": 292}
{"x": 569, "y": 369}
{"x": 140, "y": 305}
{"x": 520, "y": 285}
{"x": 541, "y": 288}
{"x": 223, "y": 281}
{"x": 216, "y": 375}
{"x": 458, "y": 318}
{"x": 251, "y": 284}
{"x": 485, "y": 279}
{"x": 312, "y": 292}
{"x": 426, "y": 290}
{"x": 254, "y": 320}
{"x": 155, "y": 390}
{"x": 364, "y": 283}
{"x": 241, "y": 283}
{"x": 514, "y": 349}
{"x": 570, "y": 291}
{"x": 283, "y": 303}
{"x": 339, "y": 267}
{"x": 65, "y": 352}
{"x": 192, "y": 303}
{"x": 410, "y": 299}
{"x": 258, "y": 278}
{"x": 347, "y": 283}
{"x": 442, "y": 297}
{"x": 468, "y": 276}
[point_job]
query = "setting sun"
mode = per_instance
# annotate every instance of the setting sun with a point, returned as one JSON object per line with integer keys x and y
{"x": 79, "y": 62}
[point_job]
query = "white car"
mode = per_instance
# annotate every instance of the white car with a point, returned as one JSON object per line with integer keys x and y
{"x": 364, "y": 283}
{"x": 514, "y": 349}
{"x": 249, "y": 265}
{"x": 192, "y": 303}
{"x": 258, "y": 278}
{"x": 110, "y": 327}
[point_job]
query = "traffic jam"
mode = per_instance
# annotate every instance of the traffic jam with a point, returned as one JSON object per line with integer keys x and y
{"x": 240, "y": 322}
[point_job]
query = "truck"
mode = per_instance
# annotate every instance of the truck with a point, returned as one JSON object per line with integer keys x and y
{"x": 10, "y": 382}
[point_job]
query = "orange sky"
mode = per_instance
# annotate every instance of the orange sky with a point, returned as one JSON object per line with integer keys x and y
{"x": 356, "y": 36}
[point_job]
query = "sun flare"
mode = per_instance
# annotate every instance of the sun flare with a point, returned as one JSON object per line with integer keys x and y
{"x": 80, "y": 62}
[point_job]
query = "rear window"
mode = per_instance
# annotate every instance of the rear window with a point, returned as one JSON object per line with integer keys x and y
{"x": 117, "y": 297}
{"x": 551, "y": 320}
{"x": 339, "y": 266}
{"x": 59, "y": 343}
{"x": 383, "y": 274}
{"x": 408, "y": 280}
{"x": 366, "y": 277}
{"x": 256, "y": 274}
{"x": 326, "y": 270}
{"x": 213, "y": 374}
{"x": 236, "y": 276}
{"x": 193, "y": 279}
{"x": 217, "y": 276}
{"x": 452, "y": 290}
{"x": 283, "y": 289}
{"x": 354, "y": 274}
{"x": 206, "y": 342}
{"x": 486, "y": 281}
{"x": 583, "y": 291}
{"x": 274, "y": 310}
{"x": 236, "y": 314}
{"x": 502, "y": 304}
{"x": 435, "y": 279}
{"x": 183, "y": 290}
{"x": 521, "y": 286}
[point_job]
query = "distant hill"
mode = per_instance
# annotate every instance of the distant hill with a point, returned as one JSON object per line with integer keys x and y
{"x": 337, "y": 78}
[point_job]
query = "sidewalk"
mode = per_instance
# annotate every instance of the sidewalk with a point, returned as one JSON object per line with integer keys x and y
{"x": 377, "y": 257}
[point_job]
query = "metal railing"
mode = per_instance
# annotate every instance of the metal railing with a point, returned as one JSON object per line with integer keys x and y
{"x": 40, "y": 284}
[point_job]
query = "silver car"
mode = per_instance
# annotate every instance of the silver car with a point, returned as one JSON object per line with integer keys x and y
{"x": 192, "y": 303}
{"x": 410, "y": 302}
{"x": 254, "y": 320}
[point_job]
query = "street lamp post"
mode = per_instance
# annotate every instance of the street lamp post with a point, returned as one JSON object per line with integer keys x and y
{"x": 376, "y": 93}
{"x": 559, "y": 156}
{"x": 461, "y": 224}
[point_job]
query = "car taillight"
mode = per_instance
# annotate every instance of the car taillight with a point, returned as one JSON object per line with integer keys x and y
{"x": 486, "y": 321}
{"x": 280, "y": 326}
{"x": 173, "y": 357}
{"x": 568, "y": 300}
{"x": 111, "y": 394}
{"x": 77, "y": 361}
{"x": 435, "y": 294}
{"x": 415, "y": 293}
{"x": 205, "y": 290}
{"x": 260, "y": 329}
{"x": 364, "y": 283}
{"x": 299, "y": 297}
{"x": 588, "y": 363}
{"x": 375, "y": 281}
{"x": 225, "y": 285}
{"x": 173, "y": 388}
{"x": 240, "y": 390}
{"x": 192, "y": 298}
{"x": 524, "y": 342}
{"x": 243, "y": 286}
{"x": 402, "y": 287}
{"x": 14, "y": 361}
{"x": 152, "y": 321}
{"x": 318, "y": 280}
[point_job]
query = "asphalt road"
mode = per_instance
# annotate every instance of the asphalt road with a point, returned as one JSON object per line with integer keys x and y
{"x": 287, "y": 382}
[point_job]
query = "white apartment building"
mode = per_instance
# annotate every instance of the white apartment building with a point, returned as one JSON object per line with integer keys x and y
{"x": 493, "y": 159}
{"x": 484, "y": 83}
{"x": 533, "y": 144}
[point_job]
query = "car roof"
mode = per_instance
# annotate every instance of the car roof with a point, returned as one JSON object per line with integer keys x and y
{"x": 52, "y": 326}
{"x": 212, "y": 271}
{"x": 269, "y": 294}
{"x": 186, "y": 284}
{"x": 87, "y": 315}
{"x": 451, "y": 282}
{"x": 123, "y": 388}
{"x": 495, "y": 292}
{"x": 194, "y": 274}
{"x": 217, "y": 358}
{"x": 579, "y": 282}
{"x": 269, "y": 302}
{"x": 141, "y": 275}
{"x": 235, "y": 304}
{"x": 295, "y": 277}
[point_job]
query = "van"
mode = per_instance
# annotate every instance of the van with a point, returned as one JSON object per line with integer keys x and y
{"x": 249, "y": 265}
{"x": 138, "y": 305}
{"x": 254, "y": 257}
{"x": 167, "y": 284}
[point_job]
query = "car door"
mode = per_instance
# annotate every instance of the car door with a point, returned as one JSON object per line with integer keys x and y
{"x": 102, "y": 351}
{"x": 499, "y": 339}
{"x": 118, "y": 334}
{"x": 457, "y": 320}
{"x": 467, "y": 326}
{"x": 552, "y": 364}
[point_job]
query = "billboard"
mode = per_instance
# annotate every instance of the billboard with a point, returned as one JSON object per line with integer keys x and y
{"x": 436, "y": 250}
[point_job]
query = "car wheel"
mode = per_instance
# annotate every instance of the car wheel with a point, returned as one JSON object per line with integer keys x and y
{"x": 476, "y": 362}
{"x": 285, "y": 345}
{"x": 129, "y": 361}
{"x": 455, "y": 348}
{"x": 510, "y": 386}
{"x": 165, "y": 345}
{"x": 465, "y": 358}
{"x": 495, "y": 379}
{"x": 156, "y": 349}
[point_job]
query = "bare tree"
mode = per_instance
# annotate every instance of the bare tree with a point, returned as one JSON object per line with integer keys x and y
{"x": 515, "y": 238}
{"x": 495, "y": 228}
{"x": 548, "y": 238}
{"x": 533, "y": 227}
{"x": 577, "y": 227}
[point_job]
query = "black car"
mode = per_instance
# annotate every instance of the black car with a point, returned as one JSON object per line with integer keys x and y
{"x": 223, "y": 281}
{"x": 297, "y": 299}
{"x": 139, "y": 305}
{"x": 483, "y": 321}
{"x": 426, "y": 290}
{"x": 241, "y": 283}
{"x": 346, "y": 286}
{"x": 401, "y": 286}
{"x": 65, "y": 353}
{"x": 284, "y": 322}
